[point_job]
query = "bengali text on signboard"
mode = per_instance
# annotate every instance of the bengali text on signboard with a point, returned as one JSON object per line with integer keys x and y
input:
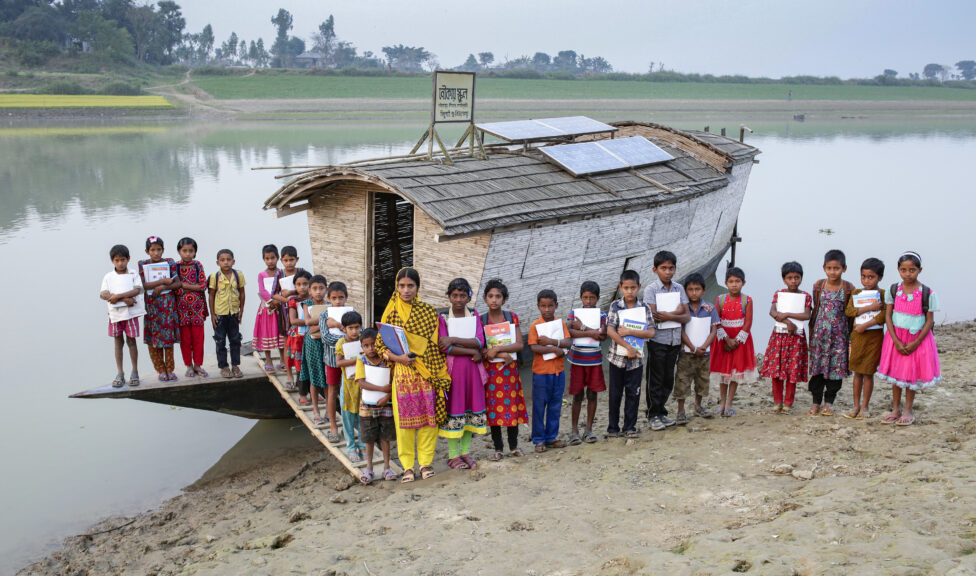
{"x": 453, "y": 97}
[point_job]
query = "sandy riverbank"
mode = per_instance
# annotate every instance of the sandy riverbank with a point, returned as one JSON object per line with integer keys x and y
{"x": 757, "y": 493}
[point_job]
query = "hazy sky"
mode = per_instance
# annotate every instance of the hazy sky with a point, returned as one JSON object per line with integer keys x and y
{"x": 847, "y": 38}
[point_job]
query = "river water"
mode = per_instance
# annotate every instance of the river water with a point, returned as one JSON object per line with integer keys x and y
{"x": 67, "y": 193}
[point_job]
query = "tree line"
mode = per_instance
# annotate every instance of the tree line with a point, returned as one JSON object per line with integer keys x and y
{"x": 36, "y": 31}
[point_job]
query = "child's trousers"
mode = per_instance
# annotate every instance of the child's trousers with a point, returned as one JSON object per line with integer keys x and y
{"x": 547, "y": 405}
{"x": 624, "y": 384}
{"x": 163, "y": 359}
{"x": 496, "y": 437}
{"x": 350, "y": 427}
{"x": 779, "y": 387}
{"x": 228, "y": 329}
{"x": 661, "y": 362}
{"x": 191, "y": 345}
{"x": 823, "y": 389}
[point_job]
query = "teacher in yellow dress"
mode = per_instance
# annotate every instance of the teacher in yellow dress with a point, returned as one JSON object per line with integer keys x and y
{"x": 420, "y": 378}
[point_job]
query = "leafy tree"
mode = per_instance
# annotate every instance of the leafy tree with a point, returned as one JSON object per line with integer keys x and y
{"x": 324, "y": 41}
{"x": 408, "y": 58}
{"x": 967, "y": 68}
{"x": 565, "y": 61}
{"x": 169, "y": 34}
{"x": 41, "y": 23}
{"x": 144, "y": 22}
{"x": 889, "y": 73}
{"x": 597, "y": 65}
{"x": 229, "y": 48}
{"x": 205, "y": 43}
{"x": 541, "y": 61}
{"x": 242, "y": 51}
{"x": 117, "y": 10}
{"x": 257, "y": 54}
{"x": 283, "y": 22}
{"x": 932, "y": 71}
{"x": 470, "y": 65}
{"x": 485, "y": 58}
{"x": 104, "y": 36}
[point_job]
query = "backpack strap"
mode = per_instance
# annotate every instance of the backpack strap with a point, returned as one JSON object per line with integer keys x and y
{"x": 508, "y": 316}
{"x": 926, "y": 292}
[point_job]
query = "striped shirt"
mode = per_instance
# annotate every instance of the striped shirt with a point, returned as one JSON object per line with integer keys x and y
{"x": 587, "y": 355}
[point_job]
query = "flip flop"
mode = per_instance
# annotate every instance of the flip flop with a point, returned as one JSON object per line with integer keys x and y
{"x": 389, "y": 475}
{"x": 891, "y": 418}
{"x": 290, "y": 387}
{"x": 457, "y": 464}
{"x": 354, "y": 456}
{"x": 827, "y": 411}
{"x": 575, "y": 440}
{"x": 852, "y": 415}
{"x": 366, "y": 477}
{"x": 862, "y": 415}
{"x": 318, "y": 421}
{"x": 497, "y": 456}
{"x": 119, "y": 381}
{"x": 905, "y": 421}
{"x": 471, "y": 462}
{"x": 813, "y": 411}
{"x": 589, "y": 437}
{"x": 281, "y": 367}
{"x": 201, "y": 372}
{"x": 269, "y": 368}
{"x": 332, "y": 437}
{"x": 516, "y": 453}
{"x": 133, "y": 380}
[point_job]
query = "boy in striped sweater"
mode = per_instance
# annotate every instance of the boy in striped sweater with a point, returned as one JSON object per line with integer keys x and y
{"x": 586, "y": 362}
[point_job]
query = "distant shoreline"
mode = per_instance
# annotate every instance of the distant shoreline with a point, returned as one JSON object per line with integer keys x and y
{"x": 417, "y": 109}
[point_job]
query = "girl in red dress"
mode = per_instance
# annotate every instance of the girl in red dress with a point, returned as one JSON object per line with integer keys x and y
{"x": 503, "y": 391}
{"x": 191, "y": 306}
{"x": 733, "y": 360}
{"x": 785, "y": 362}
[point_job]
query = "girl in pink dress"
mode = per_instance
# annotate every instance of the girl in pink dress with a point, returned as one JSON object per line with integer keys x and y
{"x": 909, "y": 358}
{"x": 266, "y": 334}
{"x": 733, "y": 360}
{"x": 466, "y": 398}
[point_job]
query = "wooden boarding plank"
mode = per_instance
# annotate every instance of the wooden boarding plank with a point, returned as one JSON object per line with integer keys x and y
{"x": 338, "y": 449}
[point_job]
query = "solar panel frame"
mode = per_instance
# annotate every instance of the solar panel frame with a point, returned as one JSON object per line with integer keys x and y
{"x": 521, "y": 131}
{"x": 596, "y": 157}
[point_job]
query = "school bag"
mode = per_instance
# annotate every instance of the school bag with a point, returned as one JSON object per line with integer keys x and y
{"x": 723, "y": 298}
{"x": 846, "y": 289}
{"x": 237, "y": 279}
{"x": 926, "y": 292}
{"x": 284, "y": 322}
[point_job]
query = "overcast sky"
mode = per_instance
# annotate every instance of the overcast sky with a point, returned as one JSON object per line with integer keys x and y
{"x": 846, "y": 38}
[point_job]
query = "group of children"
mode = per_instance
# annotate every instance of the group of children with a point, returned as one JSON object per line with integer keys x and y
{"x": 685, "y": 343}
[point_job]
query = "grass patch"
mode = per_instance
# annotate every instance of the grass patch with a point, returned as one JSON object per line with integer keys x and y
{"x": 82, "y": 101}
{"x": 269, "y": 86}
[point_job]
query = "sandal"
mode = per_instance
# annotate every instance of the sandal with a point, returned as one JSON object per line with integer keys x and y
{"x": 133, "y": 379}
{"x": 200, "y": 371}
{"x": 787, "y": 410}
{"x": 318, "y": 420}
{"x": 190, "y": 372}
{"x": 540, "y": 448}
{"x": 852, "y": 415}
{"x": 613, "y": 435}
{"x": 236, "y": 371}
{"x": 575, "y": 440}
{"x": 281, "y": 367}
{"x": 119, "y": 381}
{"x": 828, "y": 410}
{"x": 703, "y": 412}
{"x": 355, "y": 457}
{"x": 408, "y": 476}
{"x": 225, "y": 372}
{"x": 891, "y": 418}
{"x": 863, "y": 415}
{"x": 269, "y": 368}
{"x": 333, "y": 437}
{"x": 163, "y": 377}
{"x": 471, "y": 462}
{"x": 304, "y": 401}
{"x": 905, "y": 421}
{"x": 814, "y": 410}
{"x": 631, "y": 434}
{"x": 589, "y": 437}
{"x": 389, "y": 475}
{"x": 172, "y": 377}
{"x": 729, "y": 413}
{"x": 457, "y": 464}
{"x": 366, "y": 477}
{"x": 426, "y": 472}
{"x": 516, "y": 453}
{"x": 290, "y": 386}
{"x": 497, "y": 456}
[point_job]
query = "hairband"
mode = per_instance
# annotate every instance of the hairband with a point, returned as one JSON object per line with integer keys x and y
{"x": 153, "y": 239}
{"x": 913, "y": 255}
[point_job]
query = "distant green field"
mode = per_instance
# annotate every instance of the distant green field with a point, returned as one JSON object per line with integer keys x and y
{"x": 298, "y": 86}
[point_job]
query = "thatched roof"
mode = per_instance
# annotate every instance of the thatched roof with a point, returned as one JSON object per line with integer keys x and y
{"x": 474, "y": 196}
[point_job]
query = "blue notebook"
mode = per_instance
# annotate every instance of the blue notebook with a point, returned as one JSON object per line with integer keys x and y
{"x": 394, "y": 337}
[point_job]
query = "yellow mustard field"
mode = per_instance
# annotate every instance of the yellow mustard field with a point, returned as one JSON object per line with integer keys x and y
{"x": 80, "y": 101}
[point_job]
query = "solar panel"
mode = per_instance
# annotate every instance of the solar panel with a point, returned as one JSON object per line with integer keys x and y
{"x": 605, "y": 155}
{"x": 544, "y": 128}
{"x": 583, "y": 158}
{"x": 636, "y": 151}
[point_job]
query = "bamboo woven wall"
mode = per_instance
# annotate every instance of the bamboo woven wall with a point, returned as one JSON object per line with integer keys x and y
{"x": 337, "y": 229}
{"x": 441, "y": 262}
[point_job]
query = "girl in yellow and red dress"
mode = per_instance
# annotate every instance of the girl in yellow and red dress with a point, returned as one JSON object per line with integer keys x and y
{"x": 733, "y": 360}
{"x": 162, "y": 323}
{"x": 191, "y": 306}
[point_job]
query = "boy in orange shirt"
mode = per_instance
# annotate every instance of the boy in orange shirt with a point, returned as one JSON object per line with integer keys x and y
{"x": 548, "y": 377}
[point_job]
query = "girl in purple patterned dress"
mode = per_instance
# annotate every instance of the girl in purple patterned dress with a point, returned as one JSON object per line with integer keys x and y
{"x": 829, "y": 334}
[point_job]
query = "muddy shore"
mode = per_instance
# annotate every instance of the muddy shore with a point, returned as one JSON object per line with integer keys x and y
{"x": 758, "y": 493}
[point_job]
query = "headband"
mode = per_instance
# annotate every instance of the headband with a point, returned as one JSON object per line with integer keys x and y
{"x": 913, "y": 255}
